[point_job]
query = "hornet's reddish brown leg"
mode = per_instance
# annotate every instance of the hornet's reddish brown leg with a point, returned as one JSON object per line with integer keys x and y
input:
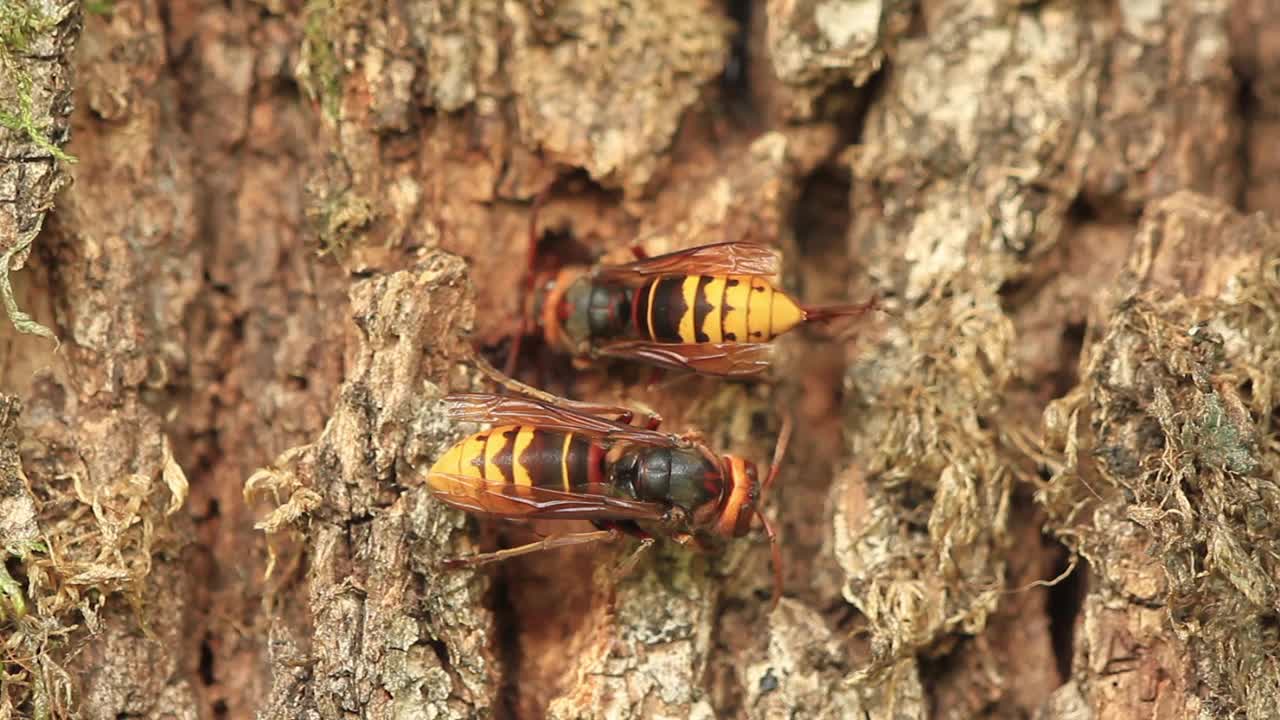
{"x": 668, "y": 386}
{"x": 555, "y": 541}
{"x": 693, "y": 437}
{"x": 693, "y": 542}
{"x": 530, "y": 277}
{"x": 655, "y": 377}
{"x": 639, "y": 252}
{"x": 779, "y": 451}
{"x": 852, "y": 332}
{"x": 775, "y": 552}
{"x": 619, "y": 413}
{"x": 652, "y": 419}
{"x": 626, "y": 566}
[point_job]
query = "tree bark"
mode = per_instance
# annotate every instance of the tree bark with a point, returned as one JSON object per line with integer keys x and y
{"x": 246, "y": 247}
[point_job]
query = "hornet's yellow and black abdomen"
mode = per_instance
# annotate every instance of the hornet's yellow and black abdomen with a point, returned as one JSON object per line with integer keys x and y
{"x": 520, "y": 455}
{"x": 713, "y": 308}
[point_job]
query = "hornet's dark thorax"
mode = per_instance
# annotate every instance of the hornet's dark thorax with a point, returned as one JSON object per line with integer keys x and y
{"x": 685, "y": 478}
{"x": 592, "y": 311}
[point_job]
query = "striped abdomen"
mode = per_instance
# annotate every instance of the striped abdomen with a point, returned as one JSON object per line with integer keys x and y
{"x": 712, "y": 309}
{"x": 520, "y": 455}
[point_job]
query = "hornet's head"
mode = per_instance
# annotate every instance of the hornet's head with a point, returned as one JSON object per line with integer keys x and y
{"x": 554, "y": 308}
{"x": 737, "y": 507}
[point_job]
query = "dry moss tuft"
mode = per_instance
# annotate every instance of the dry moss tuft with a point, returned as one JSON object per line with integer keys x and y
{"x": 920, "y": 523}
{"x": 1169, "y": 440}
{"x": 74, "y": 542}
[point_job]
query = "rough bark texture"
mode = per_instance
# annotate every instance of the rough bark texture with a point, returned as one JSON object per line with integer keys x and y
{"x": 245, "y": 247}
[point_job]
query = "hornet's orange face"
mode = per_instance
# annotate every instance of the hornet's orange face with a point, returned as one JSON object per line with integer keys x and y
{"x": 547, "y": 311}
{"x": 738, "y": 506}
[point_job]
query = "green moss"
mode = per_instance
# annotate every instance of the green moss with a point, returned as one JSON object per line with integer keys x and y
{"x": 21, "y": 320}
{"x": 12, "y": 592}
{"x": 23, "y": 119}
{"x": 100, "y": 7}
{"x": 343, "y": 220}
{"x": 322, "y": 74}
{"x": 10, "y": 589}
{"x": 19, "y": 25}
{"x": 1220, "y": 441}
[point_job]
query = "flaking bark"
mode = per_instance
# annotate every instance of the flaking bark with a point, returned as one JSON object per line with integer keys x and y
{"x": 384, "y": 630}
{"x": 1169, "y": 467}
